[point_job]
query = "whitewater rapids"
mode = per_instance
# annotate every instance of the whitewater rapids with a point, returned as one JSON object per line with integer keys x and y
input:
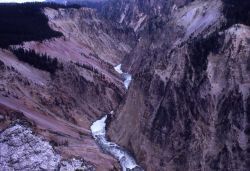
{"x": 127, "y": 162}
{"x": 126, "y": 76}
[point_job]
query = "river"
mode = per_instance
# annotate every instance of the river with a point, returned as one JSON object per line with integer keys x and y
{"x": 98, "y": 129}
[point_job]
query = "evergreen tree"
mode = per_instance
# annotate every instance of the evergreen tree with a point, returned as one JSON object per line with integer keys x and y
{"x": 43, "y": 62}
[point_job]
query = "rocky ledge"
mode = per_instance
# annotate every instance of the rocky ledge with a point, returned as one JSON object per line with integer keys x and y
{"x": 21, "y": 149}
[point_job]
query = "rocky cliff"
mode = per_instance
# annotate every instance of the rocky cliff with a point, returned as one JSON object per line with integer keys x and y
{"x": 188, "y": 105}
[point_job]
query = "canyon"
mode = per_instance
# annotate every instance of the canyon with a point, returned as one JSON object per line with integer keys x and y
{"x": 174, "y": 73}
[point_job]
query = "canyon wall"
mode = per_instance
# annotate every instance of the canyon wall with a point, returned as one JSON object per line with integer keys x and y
{"x": 188, "y": 105}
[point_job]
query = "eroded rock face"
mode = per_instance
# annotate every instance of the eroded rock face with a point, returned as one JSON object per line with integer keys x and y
{"x": 136, "y": 14}
{"x": 187, "y": 106}
{"x": 21, "y": 150}
{"x": 89, "y": 34}
{"x": 75, "y": 164}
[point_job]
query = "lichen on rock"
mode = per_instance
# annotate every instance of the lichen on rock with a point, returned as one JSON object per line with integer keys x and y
{"x": 22, "y": 150}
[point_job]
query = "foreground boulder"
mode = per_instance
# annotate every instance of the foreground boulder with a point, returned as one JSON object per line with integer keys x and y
{"x": 21, "y": 150}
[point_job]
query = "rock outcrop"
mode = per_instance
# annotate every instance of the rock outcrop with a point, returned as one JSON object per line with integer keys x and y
{"x": 75, "y": 164}
{"x": 21, "y": 149}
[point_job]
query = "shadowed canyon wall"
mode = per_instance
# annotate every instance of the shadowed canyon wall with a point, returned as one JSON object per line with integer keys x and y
{"x": 188, "y": 105}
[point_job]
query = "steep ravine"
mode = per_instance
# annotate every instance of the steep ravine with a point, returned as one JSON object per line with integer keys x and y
{"x": 98, "y": 129}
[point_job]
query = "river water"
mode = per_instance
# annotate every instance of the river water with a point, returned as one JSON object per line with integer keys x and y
{"x": 98, "y": 129}
{"x": 127, "y": 78}
{"x": 127, "y": 162}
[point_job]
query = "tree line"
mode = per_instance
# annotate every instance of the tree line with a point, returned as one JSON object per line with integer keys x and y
{"x": 25, "y": 22}
{"x": 40, "y": 61}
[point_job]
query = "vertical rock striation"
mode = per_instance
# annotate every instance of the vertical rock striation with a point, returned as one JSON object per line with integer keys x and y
{"x": 188, "y": 105}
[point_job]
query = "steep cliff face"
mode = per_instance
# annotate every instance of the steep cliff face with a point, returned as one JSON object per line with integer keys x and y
{"x": 135, "y": 14}
{"x": 187, "y": 107}
{"x": 85, "y": 35}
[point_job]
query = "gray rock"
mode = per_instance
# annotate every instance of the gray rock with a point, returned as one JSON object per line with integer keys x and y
{"x": 75, "y": 164}
{"x": 21, "y": 150}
